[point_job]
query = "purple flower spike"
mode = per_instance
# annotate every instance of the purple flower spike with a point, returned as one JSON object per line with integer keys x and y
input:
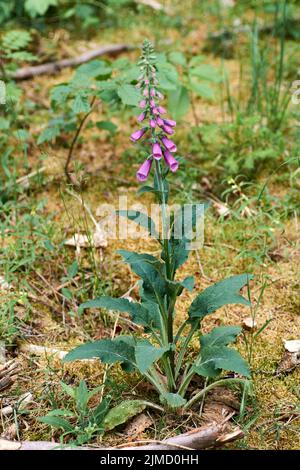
{"x": 171, "y": 161}
{"x": 142, "y": 104}
{"x": 161, "y": 110}
{"x": 144, "y": 170}
{"x": 160, "y": 121}
{"x": 170, "y": 146}
{"x": 135, "y": 136}
{"x": 168, "y": 130}
{"x": 152, "y": 123}
{"x": 170, "y": 122}
{"x": 141, "y": 117}
{"x": 156, "y": 151}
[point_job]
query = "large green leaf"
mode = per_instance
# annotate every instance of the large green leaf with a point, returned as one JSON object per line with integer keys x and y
{"x": 92, "y": 69}
{"x": 142, "y": 220}
{"x": 38, "y": 7}
{"x": 129, "y": 94}
{"x": 167, "y": 76}
{"x": 185, "y": 221}
{"x": 146, "y": 354}
{"x": 220, "y": 336}
{"x": 215, "y": 355}
{"x": 206, "y": 72}
{"x": 81, "y": 104}
{"x": 122, "y": 413}
{"x": 177, "y": 58}
{"x": 99, "y": 413}
{"x": 139, "y": 314}
{"x": 173, "y": 400}
{"x": 222, "y": 293}
{"x": 150, "y": 269}
{"x": 109, "y": 351}
{"x": 57, "y": 422}
{"x": 202, "y": 89}
{"x": 178, "y": 102}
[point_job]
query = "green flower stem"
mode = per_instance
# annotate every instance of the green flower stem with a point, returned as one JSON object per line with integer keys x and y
{"x": 154, "y": 378}
{"x": 184, "y": 348}
{"x": 180, "y": 330}
{"x": 210, "y": 387}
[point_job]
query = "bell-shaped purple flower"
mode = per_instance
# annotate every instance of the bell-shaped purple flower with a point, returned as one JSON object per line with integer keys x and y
{"x": 152, "y": 92}
{"x": 155, "y": 111}
{"x": 168, "y": 130}
{"x": 171, "y": 161}
{"x": 156, "y": 151}
{"x": 170, "y": 122}
{"x": 161, "y": 110}
{"x": 159, "y": 95}
{"x": 144, "y": 170}
{"x": 141, "y": 117}
{"x": 136, "y": 135}
{"x": 142, "y": 104}
{"x": 152, "y": 103}
{"x": 152, "y": 123}
{"x": 169, "y": 144}
{"x": 145, "y": 92}
{"x": 160, "y": 121}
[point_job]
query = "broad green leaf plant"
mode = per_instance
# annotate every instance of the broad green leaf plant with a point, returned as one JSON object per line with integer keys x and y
{"x": 79, "y": 422}
{"x": 162, "y": 355}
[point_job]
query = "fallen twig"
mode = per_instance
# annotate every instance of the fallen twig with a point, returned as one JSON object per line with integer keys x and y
{"x": 54, "y": 67}
{"x": 213, "y": 435}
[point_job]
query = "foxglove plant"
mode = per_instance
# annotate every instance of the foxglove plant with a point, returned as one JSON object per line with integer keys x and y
{"x": 162, "y": 357}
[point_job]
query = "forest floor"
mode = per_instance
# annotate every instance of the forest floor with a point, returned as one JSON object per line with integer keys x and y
{"x": 272, "y": 417}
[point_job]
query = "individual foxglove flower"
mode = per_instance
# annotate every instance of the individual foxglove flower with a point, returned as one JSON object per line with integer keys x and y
{"x": 141, "y": 117}
{"x": 169, "y": 144}
{"x": 144, "y": 170}
{"x": 170, "y": 122}
{"x": 168, "y": 130}
{"x": 171, "y": 161}
{"x": 156, "y": 151}
{"x": 135, "y": 136}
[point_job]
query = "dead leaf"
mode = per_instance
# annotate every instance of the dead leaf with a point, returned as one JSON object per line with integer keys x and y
{"x": 79, "y": 240}
{"x": 292, "y": 346}
{"x": 10, "y": 432}
{"x": 4, "y": 285}
{"x": 288, "y": 362}
{"x": 221, "y": 209}
{"x": 138, "y": 425}
{"x": 42, "y": 350}
{"x": 249, "y": 324}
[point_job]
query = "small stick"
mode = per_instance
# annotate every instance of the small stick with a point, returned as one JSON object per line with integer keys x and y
{"x": 54, "y": 67}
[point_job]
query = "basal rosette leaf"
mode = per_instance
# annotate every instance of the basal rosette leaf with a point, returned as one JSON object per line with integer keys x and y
{"x": 139, "y": 314}
{"x": 109, "y": 351}
{"x": 219, "y": 294}
{"x": 172, "y": 400}
{"x": 215, "y": 356}
{"x": 146, "y": 354}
